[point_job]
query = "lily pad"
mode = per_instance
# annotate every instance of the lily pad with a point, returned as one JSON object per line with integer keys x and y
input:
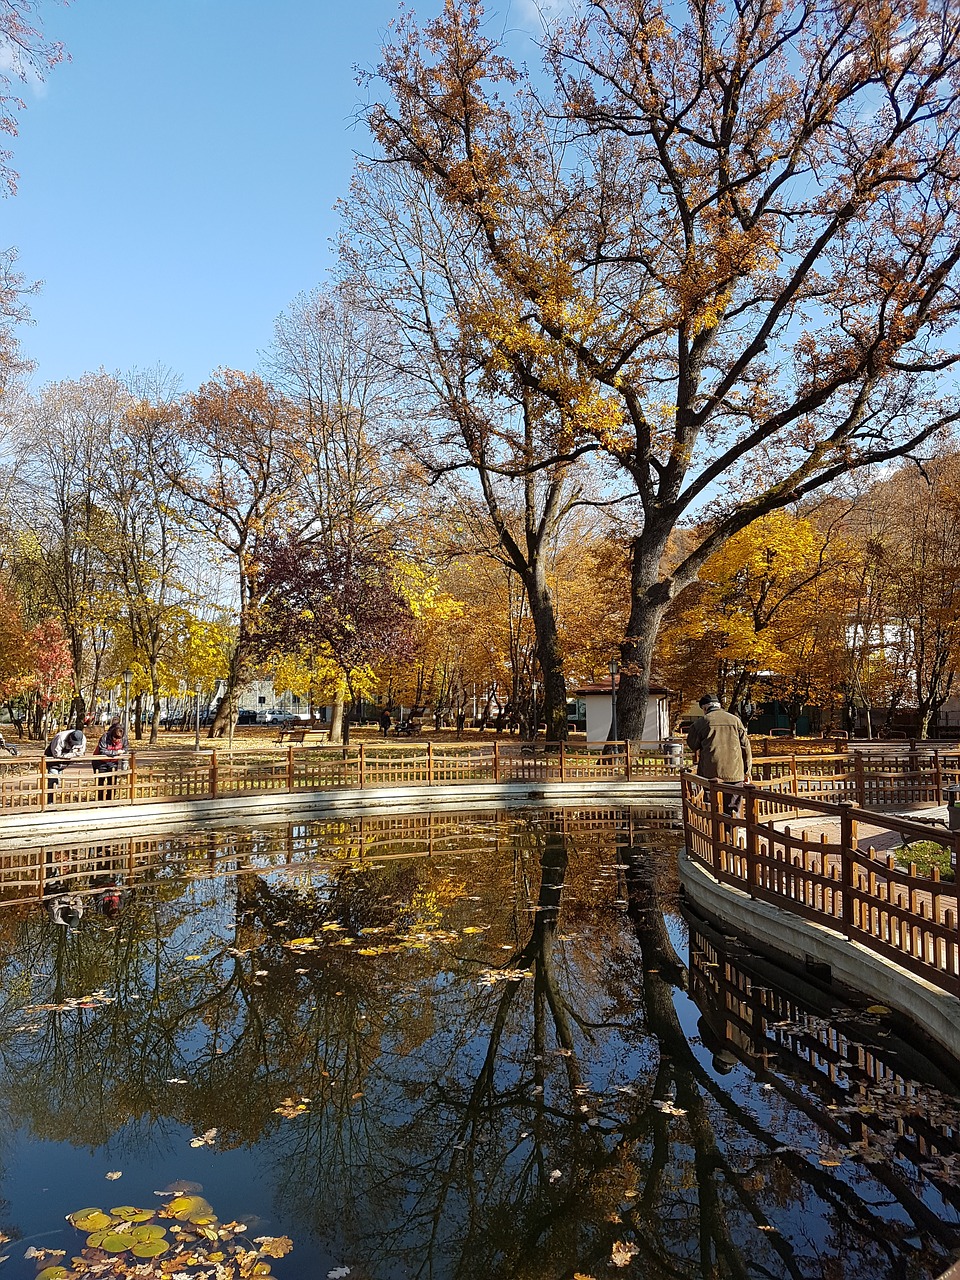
{"x": 113, "y": 1242}
{"x": 89, "y": 1219}
{"x": 186, "y": 1207}
{"x": 152, "y": 1232}
{"x": 149, "y": 1248}
{"x": 130, "y": 1213}
{"x": 53, "y": 1273}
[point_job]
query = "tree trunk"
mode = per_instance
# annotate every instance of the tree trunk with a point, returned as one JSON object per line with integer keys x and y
{"x": 336, "y": 718}
{"x": 649, "y": 600}
{"x": 155, "y": 693}
{"x": 549, "y": 656}
{"x": 236, "y": 679}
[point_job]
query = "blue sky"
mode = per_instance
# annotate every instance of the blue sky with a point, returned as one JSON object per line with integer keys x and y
{"x": 178, "y": 176}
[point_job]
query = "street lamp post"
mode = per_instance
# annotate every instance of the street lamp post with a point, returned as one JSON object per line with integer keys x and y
{"x": 613, "y": 699}
{"x": 127, "y": 681}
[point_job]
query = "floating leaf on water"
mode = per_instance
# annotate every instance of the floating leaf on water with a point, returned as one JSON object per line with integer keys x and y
{"x": 113, "y": 1175}
{"x": 555, "y": 1175}
{"x": 53, "y": 1273}
{"x": 90, "y": 1219}
{"x": 152, "y": 1232}
{"x": 192, "y": 957}
{"x": 338, "y": 1273}
{"x": 184, "y": 1207}
{"x": 879, "y": 1009}
{"x": 300, "y": 942}
{"x": 113, "y": 1242}
{"x": 130, "y": 1213}
{"x": 149, "y": 1248}
{"x": 623, "y": 1252}
{"x": 274, "y": 1246}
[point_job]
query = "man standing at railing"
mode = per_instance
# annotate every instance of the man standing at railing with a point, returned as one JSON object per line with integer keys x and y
{"x": 721, "y": 749}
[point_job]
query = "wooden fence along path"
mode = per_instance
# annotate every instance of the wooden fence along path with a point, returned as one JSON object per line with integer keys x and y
{"x": 24, "y": 785}
{"x": 833, "y": 876}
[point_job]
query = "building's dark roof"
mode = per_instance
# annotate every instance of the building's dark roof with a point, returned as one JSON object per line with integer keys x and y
{"x": 603, "y": 686}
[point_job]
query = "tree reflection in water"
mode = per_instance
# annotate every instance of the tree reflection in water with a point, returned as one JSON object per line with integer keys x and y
{"x": 710, "y": 1119}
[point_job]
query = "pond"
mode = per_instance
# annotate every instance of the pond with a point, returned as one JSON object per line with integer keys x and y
{"x": 484, "y": 1044}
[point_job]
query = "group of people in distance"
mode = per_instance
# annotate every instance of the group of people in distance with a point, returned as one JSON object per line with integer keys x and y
{"x": 69, "y": 745}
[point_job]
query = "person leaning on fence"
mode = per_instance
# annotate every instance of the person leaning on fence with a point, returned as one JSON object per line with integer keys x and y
{"x": 63, "y": 747}
{"x": 721, "y": 749}
{"x": 112, "y": 749}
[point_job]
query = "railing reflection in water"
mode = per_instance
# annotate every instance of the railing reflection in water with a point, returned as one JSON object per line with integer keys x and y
{"x": 31, "y": 871}
{"x": 876, "y": 1096}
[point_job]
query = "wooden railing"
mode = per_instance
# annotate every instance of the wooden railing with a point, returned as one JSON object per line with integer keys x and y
{"x": 26, "y": 785}
{"x": 833, "y": 874}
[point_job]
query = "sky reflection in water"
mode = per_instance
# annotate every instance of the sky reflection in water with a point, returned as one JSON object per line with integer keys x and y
{"x": 481, "y": 1045}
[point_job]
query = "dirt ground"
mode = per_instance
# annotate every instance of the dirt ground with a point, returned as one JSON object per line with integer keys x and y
{"x": 264, "y": 738}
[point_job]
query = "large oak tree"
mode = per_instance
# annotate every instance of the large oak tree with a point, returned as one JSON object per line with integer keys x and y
{"x": 724, "y": 245}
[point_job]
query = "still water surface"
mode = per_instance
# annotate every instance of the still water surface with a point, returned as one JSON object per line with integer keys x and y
{"x": 476, "y": 1045}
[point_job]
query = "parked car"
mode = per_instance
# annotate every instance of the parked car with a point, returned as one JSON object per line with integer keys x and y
{"x": 247, "y": 717}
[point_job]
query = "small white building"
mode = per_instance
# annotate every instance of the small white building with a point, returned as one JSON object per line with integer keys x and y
{"x": 598, "y": 700}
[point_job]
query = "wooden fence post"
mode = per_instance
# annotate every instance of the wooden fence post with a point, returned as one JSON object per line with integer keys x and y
{"x": 563, "y": 761}
{"x": 937, "y": 777}
{"x": 213, "y": 774}
{"x": 362, "y": 767}
{"x": 715, "y": 801}
{"x": 290, "y": 767}
{"x": 133, "y": 775}
{"x": 629, "y": 770}
{"x": 793, "y": 773}
{"x": 496, "y": 762}
{"x": 859, "y": 780}
{"x": 846, "y": 864}
{"x": 750, "y": 849}
{"x": 43, "y": 782}
{"x": 429, "y": 762}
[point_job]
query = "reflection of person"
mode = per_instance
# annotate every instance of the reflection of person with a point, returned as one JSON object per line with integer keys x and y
{"x": 109, "y": 899}
{"x": 723, "y": 1059}
{"x": 112, "y": 748}
{"x": 722, "y": 749}
{"x": 65, "y": 909}
{"x": 62, "y": 749}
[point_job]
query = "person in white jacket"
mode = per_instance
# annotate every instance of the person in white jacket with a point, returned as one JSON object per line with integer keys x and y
{"x": 63, "y": 747}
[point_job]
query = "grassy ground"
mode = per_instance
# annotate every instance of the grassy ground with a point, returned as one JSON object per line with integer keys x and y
{"x": 927, "y": 854}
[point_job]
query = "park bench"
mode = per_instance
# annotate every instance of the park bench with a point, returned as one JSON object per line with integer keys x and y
{"x": 303, "y": 735}
{"x": 407, "y": 728}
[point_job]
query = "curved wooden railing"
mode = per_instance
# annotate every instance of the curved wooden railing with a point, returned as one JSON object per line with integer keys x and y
{"x": 831, "y": 863}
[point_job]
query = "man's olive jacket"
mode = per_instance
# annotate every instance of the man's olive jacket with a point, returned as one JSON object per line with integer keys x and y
{"x": 723, "y": 746}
